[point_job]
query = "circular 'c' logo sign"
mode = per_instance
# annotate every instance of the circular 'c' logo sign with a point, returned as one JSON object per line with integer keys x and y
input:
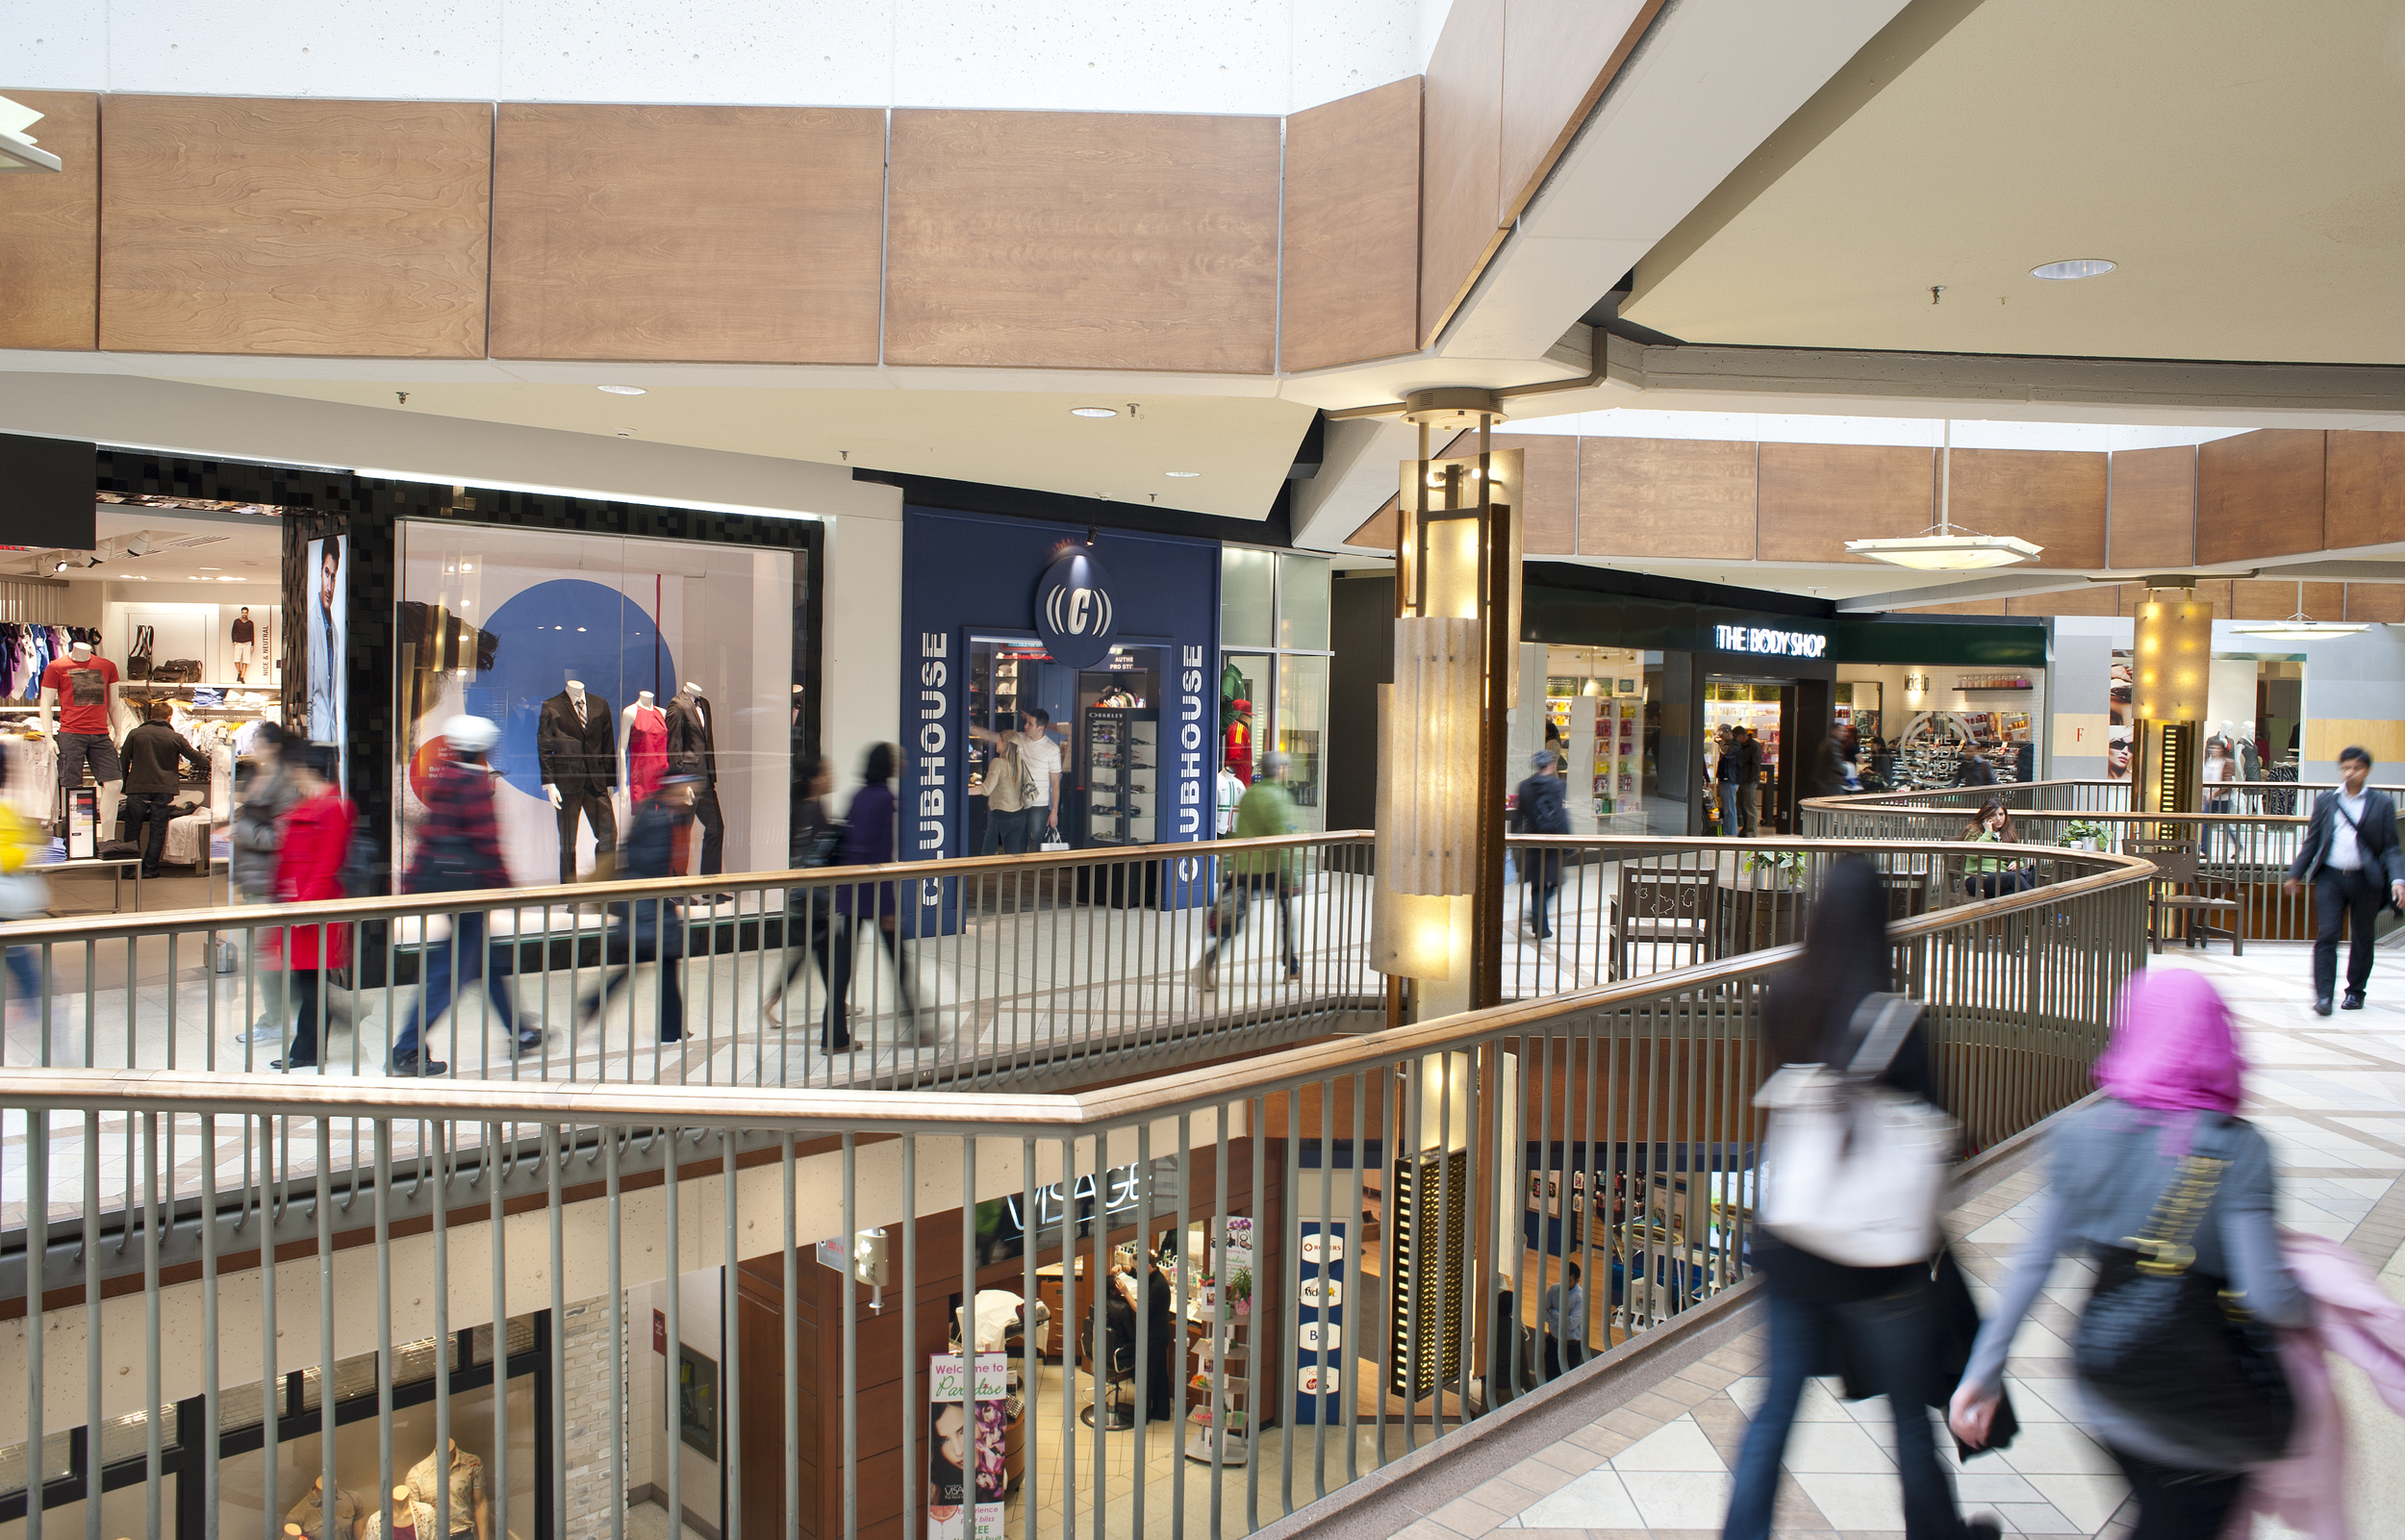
{"x": 1075, "y": 615}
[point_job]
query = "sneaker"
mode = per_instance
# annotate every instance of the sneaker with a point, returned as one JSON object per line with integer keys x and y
{"x": 262, "y": 1030}
{"x": 288, "y": 1065}
{"x": 412, "y": 1067}
{"x": 2354, "y": 1000}
{"x": 1203, "y": 980}
{"x": 529, "y": 1040}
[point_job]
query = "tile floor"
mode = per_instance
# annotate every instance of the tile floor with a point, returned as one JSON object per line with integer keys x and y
{"x": 2331, "y": 1094}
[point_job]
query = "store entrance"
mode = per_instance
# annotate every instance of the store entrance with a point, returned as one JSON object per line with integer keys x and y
{"x": 1745, "y": 783}
{"x": 1104, "y": 723}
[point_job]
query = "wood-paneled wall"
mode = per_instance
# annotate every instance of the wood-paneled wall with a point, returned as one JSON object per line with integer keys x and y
{"x": 722, "y": 235}
{"x": 1816, "y": 496}
{"x": 2053, "y": 498}
{"x": 2364, "y": 491}
{"x": 310, "y": 228}
{"x": 2152, "y": 506}
{"x": 1688, "y": 499}
{"x": 1558, "y": 56}
{"x": 50, "y": 231}
{"x": 2260, "y": 495}
{"x": 1098, "y": 240}
{"x": 1461, "y": 159}
{"x": 1353, "y": 230}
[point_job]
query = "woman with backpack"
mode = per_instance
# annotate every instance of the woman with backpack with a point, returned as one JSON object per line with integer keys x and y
{"x": 1881, "y": 1316}
{"x": 2172, "y": 1195}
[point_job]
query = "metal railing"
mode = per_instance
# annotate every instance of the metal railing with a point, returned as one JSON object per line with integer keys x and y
{"x": 2244, "y": 855}
{"x": 408, "y": 1262}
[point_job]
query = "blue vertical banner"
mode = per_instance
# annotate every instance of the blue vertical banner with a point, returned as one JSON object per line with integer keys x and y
{"x": 1320, "y": 1354}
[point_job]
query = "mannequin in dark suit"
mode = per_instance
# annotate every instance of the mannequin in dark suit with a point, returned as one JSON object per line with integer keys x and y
{"x": 576, "y": 740}
{"x": 692, "y": 750}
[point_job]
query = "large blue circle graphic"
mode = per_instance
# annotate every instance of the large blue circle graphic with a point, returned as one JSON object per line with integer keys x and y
{"x": 544, "y": 633}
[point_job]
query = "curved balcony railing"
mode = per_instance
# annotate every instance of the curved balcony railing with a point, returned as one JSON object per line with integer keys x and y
{"x": 1407, "y": 1197}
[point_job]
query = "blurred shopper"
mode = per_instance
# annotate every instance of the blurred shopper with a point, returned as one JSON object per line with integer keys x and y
{"x": 809, "y": 910}
{"x": 1565, "y": 1324}
{"x": 1974, "y": 769}
{"x": 1749, "y": 782}
{"x": 868, "y": 841}
{"x": 24, "y": 895}
{"x": 1994, "y": 876}
{"x": 2221, "y": 774}
{"x": 1880, "y": 1315}
{"x": 309, "y": 868}
{"x": 1541, "y": 807}
{"x": 155, "y": 755}
{"x": 1265, "y": 813}
{"x": 649, "y": 930}
{"x": 2350, "y": 856}
{"x": 1828, "y": 775}
{"x": 2171, "y": 1195}
{"x": 458, "y": 851}
{"x": 256, "y": 836}
{"x": 1725, "y": 764}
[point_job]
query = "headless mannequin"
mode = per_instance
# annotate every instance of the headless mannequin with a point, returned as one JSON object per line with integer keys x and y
{"x": 577, "y": 746}
{"x": 576, "y": 693}
{"x": 110, "y": 788}
{"x": 477, "y": 1517}
{"x": 628, "y": 766}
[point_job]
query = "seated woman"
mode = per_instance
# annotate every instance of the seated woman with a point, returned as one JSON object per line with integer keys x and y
{"x": 1989, "y": 876}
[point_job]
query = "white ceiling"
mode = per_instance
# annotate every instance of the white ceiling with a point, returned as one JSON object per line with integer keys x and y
{"x": 238, "y": 547}
{"x": 2245, "y": 166}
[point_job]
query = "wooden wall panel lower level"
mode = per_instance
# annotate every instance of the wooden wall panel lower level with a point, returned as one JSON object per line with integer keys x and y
{"x": 2365, "y": 501}
{"x": 2260, "y": 495}
{"x": 1816, "y": 496}
{"x": 313, "y": 228}
{"x": 2151, "y": 509}
{"x": 2054, "y": 498}
{"x": 724, "y": 235}
{"x": 1690, "y": 498}
{"x": 50, "y": 230}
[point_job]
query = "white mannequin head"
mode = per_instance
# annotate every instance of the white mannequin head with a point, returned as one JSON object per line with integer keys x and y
{"x": 79, "y": 651}
{"x": 692, "y": 689}
{"x": 643, "y": 697}
{"x": 575, "y": 687}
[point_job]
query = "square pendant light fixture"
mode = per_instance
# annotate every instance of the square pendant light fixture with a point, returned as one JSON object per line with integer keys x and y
{"x": 1946, "y": 547}
{"x": 2300, "y": 627}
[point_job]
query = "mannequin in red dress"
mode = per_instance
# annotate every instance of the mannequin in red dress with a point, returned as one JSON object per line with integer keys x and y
{"x": 642, "y": 747}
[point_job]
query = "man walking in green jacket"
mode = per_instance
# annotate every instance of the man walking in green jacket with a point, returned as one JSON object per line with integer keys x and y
{"x": 1265, "y": 812}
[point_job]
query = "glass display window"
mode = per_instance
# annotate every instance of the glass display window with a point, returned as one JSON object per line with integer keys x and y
{"x": 608, "y": 662}
{"x": 1275, "y": 611}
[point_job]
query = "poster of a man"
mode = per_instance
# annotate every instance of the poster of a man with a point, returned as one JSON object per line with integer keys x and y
{"x": 325, "y": 629}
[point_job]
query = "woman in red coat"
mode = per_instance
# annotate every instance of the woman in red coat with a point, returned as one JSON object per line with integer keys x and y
{"x": 309, "y": 867}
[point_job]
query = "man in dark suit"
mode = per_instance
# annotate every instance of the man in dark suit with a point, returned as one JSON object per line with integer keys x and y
{"x": 2350, "y": 856}
{"x": 576, "y": 740}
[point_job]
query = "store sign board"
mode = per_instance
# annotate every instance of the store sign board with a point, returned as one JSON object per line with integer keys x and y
{"x": 1770, "y": 642}
{"x": 1075, "y": 614}
{"x": 1320, "y": 1324}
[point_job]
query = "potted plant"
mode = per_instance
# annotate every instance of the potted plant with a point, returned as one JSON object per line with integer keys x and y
{"x": 1776, "y": 869}
{"x": 1240, "y": 1291}
{"x": 2084, "y": 834}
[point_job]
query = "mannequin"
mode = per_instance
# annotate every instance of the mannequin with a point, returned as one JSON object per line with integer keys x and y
{"x": 2249, "y": 752}
{"x": 471, "y": 1502}
{"x": 692, "y": 750}
{"x": 244, "y": 637}
{"x": 83, "y": 687}
{"x": 577, "y": 748}
{"x": 308, "y": 1516}
{"x": 642, "y": 749}
{"x": 412, "y": 1519}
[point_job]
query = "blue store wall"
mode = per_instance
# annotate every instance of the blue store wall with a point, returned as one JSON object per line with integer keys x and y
{"x": 966, "y": 576}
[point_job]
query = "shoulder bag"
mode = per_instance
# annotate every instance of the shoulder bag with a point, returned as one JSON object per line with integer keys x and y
{"x": 2174, "y": 1347}
{"x": 1852, "y": 1170}
{"x": 1009, "y": 784}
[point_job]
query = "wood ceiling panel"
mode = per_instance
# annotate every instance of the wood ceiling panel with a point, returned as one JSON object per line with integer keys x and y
{"x": 50, "y": 230}
{"x": 1558, "y": 56}
{"x": 2260, "y": 495}
{"x": 1816, "y": 496}
{"x": 2050, "y": 498}
{"x": 1094, "y": 240}
{"x": 2365, "y": 495}
{"x": 310, "y": 228}
{"x": 2267, "y": 599}
{"x": 733, "y": 235}
{"x": 2376, "y": 602}
{"x": 1461, "y": 166}
{"x": 1683, "y": 498}
{"x": 1352, "y": 262}
{"x": 2150, "y": 511}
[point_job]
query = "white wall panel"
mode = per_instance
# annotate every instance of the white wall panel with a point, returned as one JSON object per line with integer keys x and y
{"x": 1177, "y": 56}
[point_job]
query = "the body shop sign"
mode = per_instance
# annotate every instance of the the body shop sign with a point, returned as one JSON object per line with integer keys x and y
{"x": 1770, "y": 642}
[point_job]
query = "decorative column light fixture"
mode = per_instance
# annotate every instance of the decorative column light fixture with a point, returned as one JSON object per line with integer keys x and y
{"x": 1946, "y": 547}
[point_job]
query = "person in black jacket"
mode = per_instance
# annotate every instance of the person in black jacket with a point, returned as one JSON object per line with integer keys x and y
{"x": 653, "y": 931}
{"x": 1881, "y": 1314}
{"x": 809, "y": 910}
{"x": 155, "y": 754}
{"x": 1541, "y": 809}
{"x": 2349, "y": 847}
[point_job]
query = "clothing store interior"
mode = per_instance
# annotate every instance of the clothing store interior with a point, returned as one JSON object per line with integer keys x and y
{"x": 175, "y": 610}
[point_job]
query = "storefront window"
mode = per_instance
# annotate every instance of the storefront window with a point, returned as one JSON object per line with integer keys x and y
{"x": 1274, "y": 695}
{"x": 608, "y": 662}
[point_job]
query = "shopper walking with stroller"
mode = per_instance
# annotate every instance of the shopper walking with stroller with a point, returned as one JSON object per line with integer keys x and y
{"x": 2172, "y": 1195}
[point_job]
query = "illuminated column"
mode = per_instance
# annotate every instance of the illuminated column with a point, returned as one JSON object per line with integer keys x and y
{"x": 2173, "y": 677}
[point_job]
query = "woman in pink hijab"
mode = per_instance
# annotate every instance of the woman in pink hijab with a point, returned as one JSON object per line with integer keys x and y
{"x": 2173, "y": 1080}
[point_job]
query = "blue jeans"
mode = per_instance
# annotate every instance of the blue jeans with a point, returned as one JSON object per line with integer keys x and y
{"x": 434, "y": 997}
{"x": 1890, "y": 1341}
{"x": 26, "y": 973}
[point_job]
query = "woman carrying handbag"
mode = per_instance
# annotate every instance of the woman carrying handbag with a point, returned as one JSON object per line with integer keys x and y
{"x": 2173, "y": 1195}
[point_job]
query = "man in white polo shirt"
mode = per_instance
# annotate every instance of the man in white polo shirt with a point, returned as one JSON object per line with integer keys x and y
{"x": 2350, "y": 856}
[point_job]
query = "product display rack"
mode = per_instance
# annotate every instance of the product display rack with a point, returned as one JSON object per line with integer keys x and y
{"x": 1122, "y": 757}
{"x": 1219, "y": 1385}
{"x": 994, "y": 698}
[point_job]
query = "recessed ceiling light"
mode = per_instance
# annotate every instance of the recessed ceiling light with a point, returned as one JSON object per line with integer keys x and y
{"x": 621, "y": 389}
{"x": 1093, "y": 412}
{"x": 213, "y": 569}
{"x": 1182, "y": 474}
{"x": 2073, "y": 268}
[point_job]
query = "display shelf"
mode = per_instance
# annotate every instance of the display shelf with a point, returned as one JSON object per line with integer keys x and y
{"x": 1121, "y": 755}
